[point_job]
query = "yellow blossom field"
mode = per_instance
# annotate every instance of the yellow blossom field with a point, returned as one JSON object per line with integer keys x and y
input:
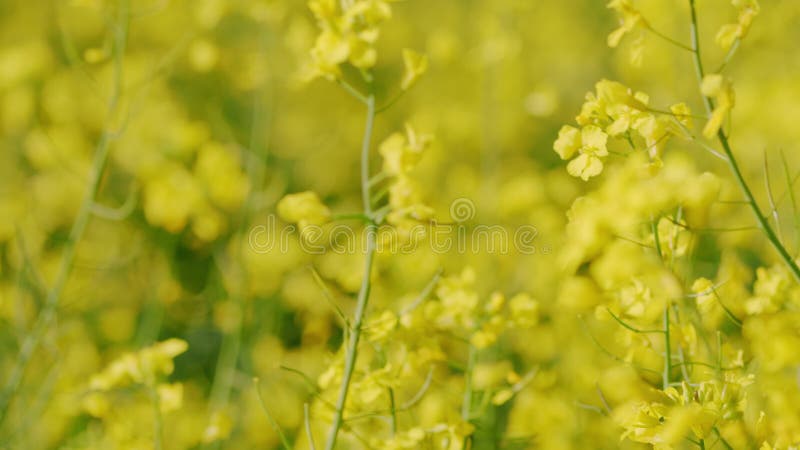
{"x": 385, "y": 224}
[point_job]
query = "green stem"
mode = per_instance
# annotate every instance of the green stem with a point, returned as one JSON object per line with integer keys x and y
{"x": 667, "y": 349}
{"x": 391, "y": 102}
{"x": 158, "y": 424}
{"x": 733, "y": 165}
{"x": 48, "y": 313}
{"x": 363, "y": 293}
{"x": 466, "y": 404}
{"x": 307, "y": 420}
{"x": 393, "y": 411}
{"x": 729, "y": 55}
{"x": 722, "y": 439}
{"x": 272, "y": 422}
{"x": 669, "y": 39}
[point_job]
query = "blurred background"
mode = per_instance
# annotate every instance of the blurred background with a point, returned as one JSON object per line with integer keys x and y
{"x": 214, "y": 123}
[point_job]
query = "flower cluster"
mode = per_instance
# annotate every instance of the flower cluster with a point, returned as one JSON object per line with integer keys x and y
{"x": 349, "y": 30}
{"x": 732, "y": 32}
{"x": 401, "y": 153}
{"x": 143, "y": 368}
{"x": 614, "y": 110}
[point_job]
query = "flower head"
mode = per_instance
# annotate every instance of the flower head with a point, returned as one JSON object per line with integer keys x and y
{"x": 303, "y": 208}
{"x": 589, "y": 142}
{"x": 415, "y": 65}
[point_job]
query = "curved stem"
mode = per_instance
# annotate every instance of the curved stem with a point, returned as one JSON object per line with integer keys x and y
{"x": 363, "y": 293}
{"x": 733, "y": 165}
{"x": 48, "y": 312}
{"x": 669, "y": 39}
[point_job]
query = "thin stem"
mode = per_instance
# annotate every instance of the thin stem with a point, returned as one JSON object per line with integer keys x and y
{"x": 272, "y": 422}
{"x": 608, "y": 352}
{"x": 351, "y": 216}
{"x": 393, "y": 411}
{"x": 158, "y": 425}
{"x": 772, "y": 206}
{"x": 667, "y": 349}
{"x": 363, "y": 293}
{"x": 352, "y": 91}
{"x": 629, "y": 327}
{"x": 734, "y": 166}
{"x": 654, "y": 229}
{"x": 365, "y": 144}
{"x": 669, "y": 39}
{"x": 418, "y": 396}
{"x": 721, "y": 439}
{"x": 466, "y": 404}
{"x": 307, "y": 418}
{"x": 426, "y": 291}
{"x": 391, "y": 102}
{"x": 729, "y": 55}
{"x": 328, "y": 296}
{"x": 48, "y": 313}
{"x": 728, "y": 312}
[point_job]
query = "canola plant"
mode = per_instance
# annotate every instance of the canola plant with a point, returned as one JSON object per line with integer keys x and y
{"x": 375, "y": 224}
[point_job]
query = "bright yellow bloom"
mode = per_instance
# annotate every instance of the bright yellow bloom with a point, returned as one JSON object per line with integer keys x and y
{"x": 349, "y": 31}
{"x": 729, "y": 33}
{"x": 380, "y": 327}
{"x": 705, "y": 297}
{"x": 415, "y": 65}
{"x": 717, "y": 87}
{"x": 568, "y": 142}
{"x": 141, "y": 367}
{"x": 629, "y": 18}
{"x": 401, "y": 153}
{"x": 303, "y": 208}
{"x": 593, "y": 149}
{"x": 682, "y": 114}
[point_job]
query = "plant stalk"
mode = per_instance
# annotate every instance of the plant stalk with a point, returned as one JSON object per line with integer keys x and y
{"x": 48, "y": 312}
{"x": 763, "y": 222}
{"x": 351, "y": 353}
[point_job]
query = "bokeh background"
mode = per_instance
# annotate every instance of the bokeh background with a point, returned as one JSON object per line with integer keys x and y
{"x": 215, "y": 123}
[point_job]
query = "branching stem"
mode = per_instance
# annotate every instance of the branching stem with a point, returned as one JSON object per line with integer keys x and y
{"x": 763, "y": 222}
{"x": 47, "y": 314}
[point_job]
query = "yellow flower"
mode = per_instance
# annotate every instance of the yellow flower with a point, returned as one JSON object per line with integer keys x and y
{"x": 171, "y": 197}
{"x": 379, "y": 328}
{"x": 139, "y": 368}
{"x": 524, "y": 310}
{"x": 170, "y": 396}
{"x": 568, "y": 142}
{"x": 303, "y": 208}
{"x": 96, "y": 404}
{"x": 629, "y": 19}
{"x": 415, "y": 65}
{"x": 349, "y": 31}
{"x": 502, "y": 396}
{"x": 770, "y": 291}
{"x": 330, "y": 50}
{"x": 217, "y": 168}
{"x": 593, "y": 148}
{"x": 682, "y": 113}
{"x": 401, "y": 153}
{"x": 729, "y": 33}
{"x": 717, "y": 87}
{"x": 703, "y": 290}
